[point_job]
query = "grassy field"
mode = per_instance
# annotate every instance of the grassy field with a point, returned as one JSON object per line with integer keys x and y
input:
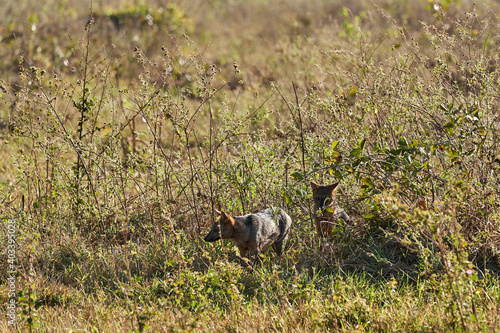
{"x": 125, "y": 124}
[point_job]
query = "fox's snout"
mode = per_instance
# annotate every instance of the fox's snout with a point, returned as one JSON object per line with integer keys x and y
{"x": 213, "y": 234}
{"x": 211, "y": 237}
{"x": 324, "y": 202}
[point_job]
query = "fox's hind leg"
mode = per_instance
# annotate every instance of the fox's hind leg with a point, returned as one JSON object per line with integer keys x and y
{"x": 278, "y": 248}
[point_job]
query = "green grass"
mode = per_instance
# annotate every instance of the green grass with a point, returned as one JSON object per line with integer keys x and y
{"x": 122, "y": 133}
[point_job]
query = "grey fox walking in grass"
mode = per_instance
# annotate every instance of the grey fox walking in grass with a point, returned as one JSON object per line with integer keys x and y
{"x": 253, "y": 233}
{"x": 328, "y": 212}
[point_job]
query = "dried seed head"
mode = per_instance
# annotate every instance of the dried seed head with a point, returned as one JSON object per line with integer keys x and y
{"x": 236, "y": 69}
{"x": 90, "y": 22}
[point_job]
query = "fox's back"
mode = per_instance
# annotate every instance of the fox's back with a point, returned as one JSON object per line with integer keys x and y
{"x": 261, "y": 230}
{"x": 278, "y": 217}
{"x": 266, "y": 222}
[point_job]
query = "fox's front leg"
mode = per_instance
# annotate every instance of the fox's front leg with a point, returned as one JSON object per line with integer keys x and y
{"x": 254, "y": 256}
{"x": 319, "y": 228}
{"x": 244, "y": 255}
{"x": 254, "y": 251}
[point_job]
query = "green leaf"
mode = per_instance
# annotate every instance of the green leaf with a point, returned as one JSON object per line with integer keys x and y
{"x": 402, "y": 142}
{"x": 334, "y": 145}
{"x": 394, "y": 152}
{"x": 368, "y": 182}
{"x": 407, "y": 158}
{"x": 369, "y": 216}
{"x": 298, "y": 175}
{"x": 362, "y": 144}
{"x": 355, "y": 152}
{"x": 448, "y": 125}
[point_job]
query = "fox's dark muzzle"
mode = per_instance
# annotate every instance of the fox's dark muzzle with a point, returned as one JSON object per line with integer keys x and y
{"x": 211, "y": 237}
{"x": 324, "y": 203}
{"x": 213, "y": 234}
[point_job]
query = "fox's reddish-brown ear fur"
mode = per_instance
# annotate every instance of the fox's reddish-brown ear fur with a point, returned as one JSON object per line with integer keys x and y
{"x": 226, "y": 219}
{"x": 335, "y": 186}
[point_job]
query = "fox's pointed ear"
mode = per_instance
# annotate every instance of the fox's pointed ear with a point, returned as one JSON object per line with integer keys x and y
{"x": 227, "y": 219}
{"x": 314, "y": 186}
{"x": 335, "y": 186}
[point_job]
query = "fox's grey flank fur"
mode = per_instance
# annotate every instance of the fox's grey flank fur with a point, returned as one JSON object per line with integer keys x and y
{"x": 253, "y": 233}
